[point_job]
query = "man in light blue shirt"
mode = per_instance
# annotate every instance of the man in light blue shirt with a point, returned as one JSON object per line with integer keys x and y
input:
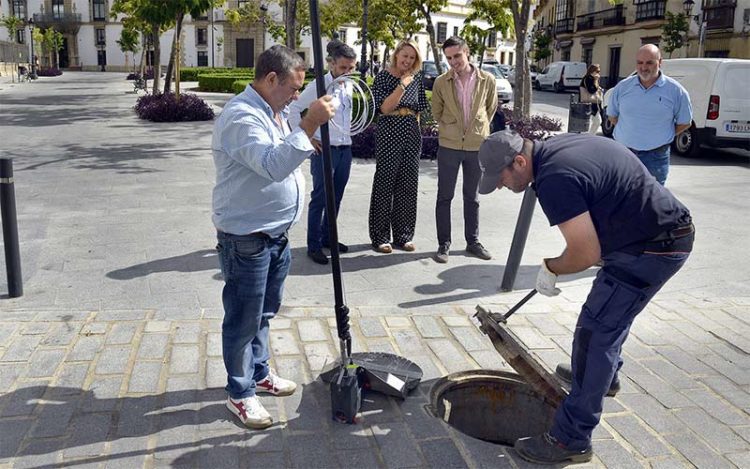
{"x": 342, "y": 60}
{"x": 258, "y": 196}
{"x": 649, "y": 110}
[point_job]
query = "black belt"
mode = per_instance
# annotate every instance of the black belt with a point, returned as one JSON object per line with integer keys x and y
{"x": 661, "y": 148}
{"x": 258, "y": 235}
{"x": 676, "y": 233}
{"x": 666, "y": 241}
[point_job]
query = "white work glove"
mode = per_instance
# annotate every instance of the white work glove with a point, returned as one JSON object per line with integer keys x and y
{"x": 545, "y": 281}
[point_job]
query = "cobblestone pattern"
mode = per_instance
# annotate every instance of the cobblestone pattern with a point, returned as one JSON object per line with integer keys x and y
{"x": 124, "y": 389}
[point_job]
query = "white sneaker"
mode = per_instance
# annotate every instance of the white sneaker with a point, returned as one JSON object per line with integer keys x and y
{"x": 250, "y": 411}
{"x": 276, "y": 385}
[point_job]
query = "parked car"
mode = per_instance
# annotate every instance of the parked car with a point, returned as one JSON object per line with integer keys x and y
{"x": 505, "y": 69}
{"x": 721, "y": 103}
{"x": 430, "y": 72}
{"x": 512, "y": 75}
{"x": 504, "y": 91}
{"x": 561, "y": 76}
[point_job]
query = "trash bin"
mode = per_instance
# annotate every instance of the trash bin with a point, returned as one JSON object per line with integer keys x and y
{"x": 579, "y": 115}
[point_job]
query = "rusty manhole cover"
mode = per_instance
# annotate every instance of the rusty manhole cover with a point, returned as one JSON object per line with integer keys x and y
{"x": 495, "y": 406}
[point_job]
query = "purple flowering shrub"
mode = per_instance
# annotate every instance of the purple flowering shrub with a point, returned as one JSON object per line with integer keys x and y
{"x": 536, "y": 127}
{"x": 430, "y": 141}
{"x": 136, "y": 75}
{"x": 49, "y": 72}
{"x": 165, "y": 108}
{"x": 363, "y": 144}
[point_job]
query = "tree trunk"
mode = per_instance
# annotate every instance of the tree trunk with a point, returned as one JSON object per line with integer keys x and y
{"x": 178, "y": 57}
{"x": 431, "y": 34}
{"x": 173, "y": 56}
{"x": 290, "y": 21}
{"x": 522, "y": 94}
{"x": 157, "y": 61}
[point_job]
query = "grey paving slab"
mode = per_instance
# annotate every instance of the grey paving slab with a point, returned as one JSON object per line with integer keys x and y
{"x": 638, "y": 436}
{"x": 120, "y": 326}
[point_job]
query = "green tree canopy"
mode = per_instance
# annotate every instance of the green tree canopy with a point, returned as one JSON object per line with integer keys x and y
{"x": 12, "y": 24}
{"x": 426, "y": 8}
{"x": 674, "y": 31}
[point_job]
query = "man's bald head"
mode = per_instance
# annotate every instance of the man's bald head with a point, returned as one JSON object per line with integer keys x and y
{"x": 647, "y": 63}
{"x": 651, "y": 50}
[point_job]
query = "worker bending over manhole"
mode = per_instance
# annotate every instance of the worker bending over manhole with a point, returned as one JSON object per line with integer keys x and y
{"x": 609, "y": 209}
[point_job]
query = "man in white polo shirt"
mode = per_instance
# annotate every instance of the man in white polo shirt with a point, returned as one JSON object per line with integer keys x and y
{"x": 342, "y": 60}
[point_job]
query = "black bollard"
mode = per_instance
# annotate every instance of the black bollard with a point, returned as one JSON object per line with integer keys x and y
{"x": 519, "y": 239}
{"x": 10, "y": 229}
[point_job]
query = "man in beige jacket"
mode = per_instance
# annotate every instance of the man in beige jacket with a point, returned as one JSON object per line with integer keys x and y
{"x": 464, "y": 99}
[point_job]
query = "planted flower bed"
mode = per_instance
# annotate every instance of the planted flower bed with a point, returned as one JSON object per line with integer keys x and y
{"x": 165, "y": 108}
{"x": 536, "y": 127}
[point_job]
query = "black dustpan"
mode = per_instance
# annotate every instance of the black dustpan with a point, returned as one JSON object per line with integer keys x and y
{"x": 383, "y": 372}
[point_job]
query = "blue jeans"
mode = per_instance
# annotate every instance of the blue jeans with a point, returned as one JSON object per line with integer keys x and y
{"x": 656, "y": 161}
{"x": 317, "y": 218}
{"x": 254, "y": 269}
{"x": 622, "y": 288}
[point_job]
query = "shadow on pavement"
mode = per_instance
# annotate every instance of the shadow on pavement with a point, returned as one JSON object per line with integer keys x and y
{"x": 478, "y": 281}
{"x": 89, "y": 420}
{"x": 193, "y": 428}
{"x": 124, "y": 159}
{"x": 205, "y": 259}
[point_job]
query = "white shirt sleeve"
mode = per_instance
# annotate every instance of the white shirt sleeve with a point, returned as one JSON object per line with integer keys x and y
{"x": 308, "y": 95}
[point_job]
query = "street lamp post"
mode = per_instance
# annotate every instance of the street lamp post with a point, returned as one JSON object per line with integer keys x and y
{"x": 363, "y": 65}
{"x": 213, "y": 33}
{"x": 700, "y": 19}
{"x": 33, "y": 75}
{"x": 264, "y": 20}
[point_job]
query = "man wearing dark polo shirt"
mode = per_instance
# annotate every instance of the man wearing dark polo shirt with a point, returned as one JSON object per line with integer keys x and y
{"x": 607, "y": 208}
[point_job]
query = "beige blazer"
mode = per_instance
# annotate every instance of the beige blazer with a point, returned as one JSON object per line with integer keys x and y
{"x": 448, "y": 113}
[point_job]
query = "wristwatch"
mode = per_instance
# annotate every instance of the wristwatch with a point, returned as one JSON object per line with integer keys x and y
{"x": 401, "y": 85}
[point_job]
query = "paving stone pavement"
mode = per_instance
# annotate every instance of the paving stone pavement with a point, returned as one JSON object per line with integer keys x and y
{"x": 112, "y": 358}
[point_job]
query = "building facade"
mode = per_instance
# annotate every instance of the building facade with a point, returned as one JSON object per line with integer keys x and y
{"x": 90, "y": 36}
{"x": 596, "y": 31}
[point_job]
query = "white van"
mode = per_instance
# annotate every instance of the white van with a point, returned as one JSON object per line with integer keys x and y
{"x": 561, "y": 75}
{"x": 720, "y": 100}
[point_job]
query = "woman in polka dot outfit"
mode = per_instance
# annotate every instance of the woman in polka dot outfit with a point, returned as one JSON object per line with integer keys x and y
{"x": 400, "y": 97}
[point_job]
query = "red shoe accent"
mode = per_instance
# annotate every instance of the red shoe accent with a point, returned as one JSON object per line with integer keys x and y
{"x": 240, "y": 406}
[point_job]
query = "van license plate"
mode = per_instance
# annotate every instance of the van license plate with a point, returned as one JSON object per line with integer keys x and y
{"x": 738, "y": 127}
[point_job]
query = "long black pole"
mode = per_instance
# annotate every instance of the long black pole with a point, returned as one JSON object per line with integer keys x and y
{"x": 10, "y": 229}
{"x": 342, "y": 311}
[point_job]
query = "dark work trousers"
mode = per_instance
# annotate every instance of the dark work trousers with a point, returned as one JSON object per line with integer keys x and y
{"x": 621, "y": 289}
{"x": 317, "y": 218}
{"x": 449, "y": 162}
{"x": 393, "y": 203}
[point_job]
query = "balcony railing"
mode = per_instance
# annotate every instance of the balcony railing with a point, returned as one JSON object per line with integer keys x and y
{"x": 64, "y": 22}
{"x": 564, "y": 25}
{"x": 57, "y": 17}
{"x": 720, "y": 14}
{"x": 602, "y": 19}
{"x": 650, "y": 10}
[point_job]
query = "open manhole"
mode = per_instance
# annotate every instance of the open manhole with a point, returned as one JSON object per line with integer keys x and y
{"x": 495, "y": 406}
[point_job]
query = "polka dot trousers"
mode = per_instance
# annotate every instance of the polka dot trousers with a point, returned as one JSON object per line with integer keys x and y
{"x": 393, "y": 203}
